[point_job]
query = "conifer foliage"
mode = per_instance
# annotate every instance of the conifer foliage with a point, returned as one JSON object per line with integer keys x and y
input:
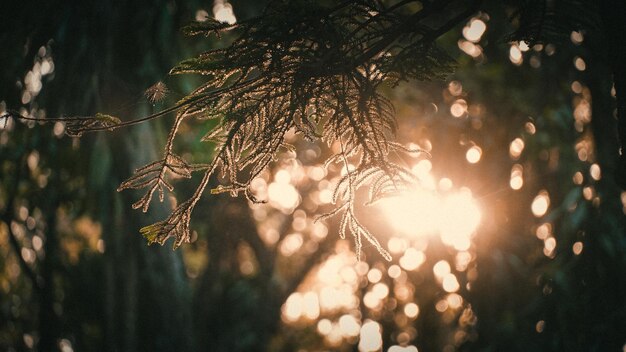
{"x": 304, "y": 65}
{"x": 315, "y": 67}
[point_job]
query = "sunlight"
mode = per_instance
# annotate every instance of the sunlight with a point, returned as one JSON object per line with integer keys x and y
{"x": 223, "y": 12}
{"x": 371, "y": 339}
{"x": 397, "y": 348}
{"x": 517, "y": 177}
{"x": 349, "y": 325}
{"x": 475, "y": 30}
{"x": 515, "y": 55}
{"x": 454, "y": 216}
{"x": 412, "y": 259}
{"x": 450, "y": 283}
{"x": 540, "y": 204}
{"x": 473, "y": 154}
{"x": 324, "y": 326}
{"x": 282, "y": 194}
{"x": 441, "y": 269}
{"x": 411, "y": 310}
{"x": 516, "y": 148}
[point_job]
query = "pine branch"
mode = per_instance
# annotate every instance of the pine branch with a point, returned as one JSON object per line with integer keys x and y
{"x": 302, "y": 66}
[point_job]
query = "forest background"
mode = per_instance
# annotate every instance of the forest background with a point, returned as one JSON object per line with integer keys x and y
{"x": 518, "y": 132}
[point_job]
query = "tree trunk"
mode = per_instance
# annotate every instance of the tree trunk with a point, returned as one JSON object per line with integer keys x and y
{"x": 612, "y": 13}
{"x": 147, "y": 301}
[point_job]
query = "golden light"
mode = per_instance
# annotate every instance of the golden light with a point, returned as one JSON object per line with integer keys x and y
{"x": 324, "y": 326}
{"x": 516, "y": 148}
{"x": 334, "y": 285}
{"x": 471, "y": 49}
{"x": 397, "y": 245}
{"x": 454, "y": 301}
{"x": 462, "y": 260}
{"x": 310, "y": 305}
{"x": 398, "y": 348}
{"x": 523, "y": 46}
{"x": 411, "y": 310}
{"x": 412, "y": 259}
{"x": 515, "y": 55}
{"x": 380, "y": 290}
{"x": 374, "y": 275}
{"x": 580, "y": 64}
{"x": 422, "y": 168}
{"x": 582, "y": 115}
{"x": 455, "y": 88}
{"x": 458, "y": 108}
{"x": 269, "y": 235}
{"x": 475, "y": 30}
{"x": 578, "y": 178}
{"x": 450, "y": 283}
{"x": 201, "y": 15}
{"x": 316, "y": 173}
{"x": 441, "y": 269}
{"x": 348, "y": 275}
{"x": 403, "y": 292}
{"x": 361, "y": 268}
{"x": 454, "y": 216}
{"x": 58, "y": 129}
{"x": 291, "y": 244}
{"x": 325, "y": 196}
{"x": 445, "y": 184}
{"x": 540, "y": 326}
{"x": 576, "y": 37}
{"x": 332, "y": 298}
{"x": 595, "y": 172}
{"x": 282, "y": 194}
{"x": 415, "y": 213}
{"x": 349, "y": 325}
{"x": 328, "y": 273}
{"x": 292, "y": 309}
{"x": 371, "y": 301}
{"x": 549, "y": 245}
{"x": 577, "y": 248}
{"x": 318, "y": 230}
{"x": 394, "y": 271}
{"x": 517, "y": 177}
{"x": 543, "y": 231}
{"x": 334, "y": 338}
{"x": 473, "y": 154}
{"x": 223, "y": 12}
{"x": 459, "y": 219}
{"x": 540, "y": 204}
{"x": 441, "y": 306}
{"x": 370, "y": 339}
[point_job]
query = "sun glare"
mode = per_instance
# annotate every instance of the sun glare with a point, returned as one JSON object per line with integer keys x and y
{"x": 453, "y": 216}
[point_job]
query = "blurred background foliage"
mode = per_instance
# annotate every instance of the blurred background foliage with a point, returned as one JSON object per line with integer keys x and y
{"x": 521, "y": 155}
